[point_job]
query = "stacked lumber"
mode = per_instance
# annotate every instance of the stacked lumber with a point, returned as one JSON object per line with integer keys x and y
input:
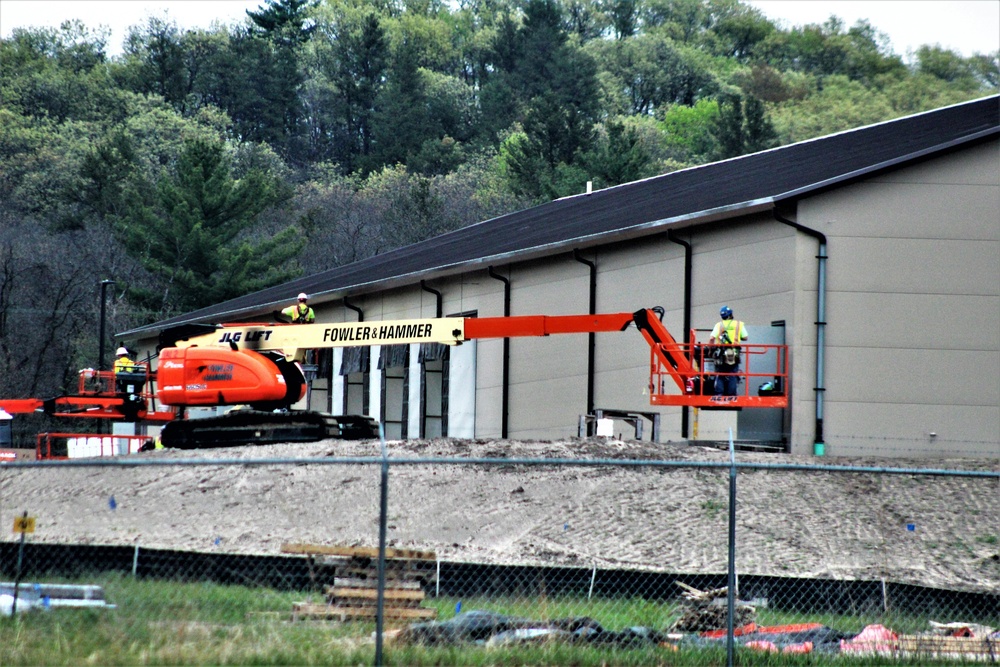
{"x": 970, "y": 642}
{"x": 969, "y": 649}
{"x": 708, "y": 610}
{"x": 354, "y": 593}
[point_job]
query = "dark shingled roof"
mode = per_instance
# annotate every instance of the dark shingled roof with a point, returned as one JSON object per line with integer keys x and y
{"x": 681, "y": 198}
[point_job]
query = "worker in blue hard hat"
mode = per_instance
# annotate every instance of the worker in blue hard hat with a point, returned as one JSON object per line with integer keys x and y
{"x": 726, "y": 336}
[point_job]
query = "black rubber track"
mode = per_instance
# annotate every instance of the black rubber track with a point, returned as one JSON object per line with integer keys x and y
{"x": 256, "y": 427}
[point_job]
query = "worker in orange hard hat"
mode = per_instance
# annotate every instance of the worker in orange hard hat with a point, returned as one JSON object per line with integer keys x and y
{"x": 300, "y": 313}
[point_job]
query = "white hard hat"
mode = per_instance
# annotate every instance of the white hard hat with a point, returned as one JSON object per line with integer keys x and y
{"x": 303, "y": 296}
{"x": 121, "y": 351}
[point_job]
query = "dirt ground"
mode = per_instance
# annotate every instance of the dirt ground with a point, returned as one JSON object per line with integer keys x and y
{"x": 931, "y": 530}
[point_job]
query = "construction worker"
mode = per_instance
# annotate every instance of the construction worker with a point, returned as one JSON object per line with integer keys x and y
{"x": 122, "y": 362}
{"x": 727, "y": 334}
{"x": 300, "y": 313}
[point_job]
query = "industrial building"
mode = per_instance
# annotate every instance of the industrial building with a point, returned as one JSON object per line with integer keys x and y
{"x": 873, "y": 254}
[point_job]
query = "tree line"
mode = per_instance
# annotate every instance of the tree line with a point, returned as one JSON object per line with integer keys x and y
{"x": 203, "y": 164}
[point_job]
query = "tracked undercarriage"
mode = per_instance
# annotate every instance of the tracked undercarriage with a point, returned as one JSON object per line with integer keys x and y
{"x": 257, "y": 427}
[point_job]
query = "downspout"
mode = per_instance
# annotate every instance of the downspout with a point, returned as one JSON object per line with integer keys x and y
{"x": 365, "y": 394}
{"x": 438, "y": 312}
{"x": 505, "y": 390}
{"x": 361, "y": 313}
{"x": 438, "y": 309}
{"x": 591, "y": 337}
{"x": 685, "y": 417}
{"x": 818, "y": 443}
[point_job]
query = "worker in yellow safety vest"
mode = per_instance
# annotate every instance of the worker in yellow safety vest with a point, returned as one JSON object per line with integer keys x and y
{"x": 300, "y": 313}
{"x": 727, "y": 335}
{"x": 122, "y": 362}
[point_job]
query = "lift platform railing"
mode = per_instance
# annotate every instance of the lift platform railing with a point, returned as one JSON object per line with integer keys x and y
{"x": 762, "y": 376}
{"x": 58, "y": 446}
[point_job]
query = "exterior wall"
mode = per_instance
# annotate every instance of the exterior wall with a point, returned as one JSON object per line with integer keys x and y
{"x": 913, "y": 309}
{"x": 741, "y": 264}
{"x": 630, "y": 276}
{"x": 547, "y": 388}
{"x": 802, "y": 345}
{"x": 745, "y": 263}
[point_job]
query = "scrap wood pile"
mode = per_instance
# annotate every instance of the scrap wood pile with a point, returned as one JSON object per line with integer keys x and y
{"x": 961, "y": 641}
{"x": 354, "y": 593}
{"x": 709, "y": 610}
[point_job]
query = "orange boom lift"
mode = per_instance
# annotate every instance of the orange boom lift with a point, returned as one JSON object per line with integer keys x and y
{"x": 256, "y": 364}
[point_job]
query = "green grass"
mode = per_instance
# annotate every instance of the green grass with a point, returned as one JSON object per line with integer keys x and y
{"x": 158, "y": 623}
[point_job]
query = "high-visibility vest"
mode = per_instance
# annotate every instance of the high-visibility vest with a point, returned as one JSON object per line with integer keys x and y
{"x": 124, "y": 365}
{"x": 734, "y": 328}
{"x": 298, "y": 315}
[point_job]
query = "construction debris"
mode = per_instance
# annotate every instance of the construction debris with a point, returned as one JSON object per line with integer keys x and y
{"x": 354, "y": 593}
{"x": 24, "y": 597}
{"x": 493, "y": 629}
{"x": 709, "y": 610}
{"x": 970, "y": 642}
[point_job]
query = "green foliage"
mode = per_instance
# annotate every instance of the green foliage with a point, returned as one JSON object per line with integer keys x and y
{"x": 839, "y": 105}
{"x": 155, "y": 57}
{"x": 742, "y": 126}
{"x": 618, "y": 156}
{"x": 739, "y": 31}
{"x": 194, "y": 235}
{"x": 427, "y": 115}
{"x": 964, "y": 73}
{"x": 651, "y": 71}
{"x": 106, "y": 174}
{"x": 353, "y": 56}
{"x": 56, "y": 74}
{"x": 687, "y": 131}
{"x": 284, "y": 21}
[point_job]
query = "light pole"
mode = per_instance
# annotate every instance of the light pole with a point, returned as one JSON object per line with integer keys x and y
{"x": 100, "y": 352}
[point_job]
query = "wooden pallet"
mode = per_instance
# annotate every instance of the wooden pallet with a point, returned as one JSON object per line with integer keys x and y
{"x": 356, "y": 552}
{"x": 354, "y": 594}
{"x": 982, "y": 649}
{"x": 313, "y": 611}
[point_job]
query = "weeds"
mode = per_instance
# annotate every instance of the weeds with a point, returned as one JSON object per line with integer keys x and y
{"x": 162, "y": 623}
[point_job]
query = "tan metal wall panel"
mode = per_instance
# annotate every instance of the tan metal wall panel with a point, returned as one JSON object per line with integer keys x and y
{"x": 960, "y": 322}
{"x": 488, "y": 403}
{"x": 744, "y": 265}
{"x": 975, "y": 165}
{"x": 912, "y": 376}
{"x": 548, "y": 371}
{"x": 904, "y": 430}
{"x": 913, "y": 275}
{"x": 912, "y": 210}
{"x": 560, "y": 356}
{"x": 546, "y": 408}
{"x": 914, "y": 266}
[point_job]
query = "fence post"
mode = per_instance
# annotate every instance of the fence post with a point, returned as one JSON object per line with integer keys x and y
{"x": 382, "y": 520}
{"x": 17, "y": 574}
{"x": 731, "y": 592}
{"x": 135, "y": 561}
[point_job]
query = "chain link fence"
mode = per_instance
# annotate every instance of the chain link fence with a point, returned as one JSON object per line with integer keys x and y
{"x": 459, "y": 553}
